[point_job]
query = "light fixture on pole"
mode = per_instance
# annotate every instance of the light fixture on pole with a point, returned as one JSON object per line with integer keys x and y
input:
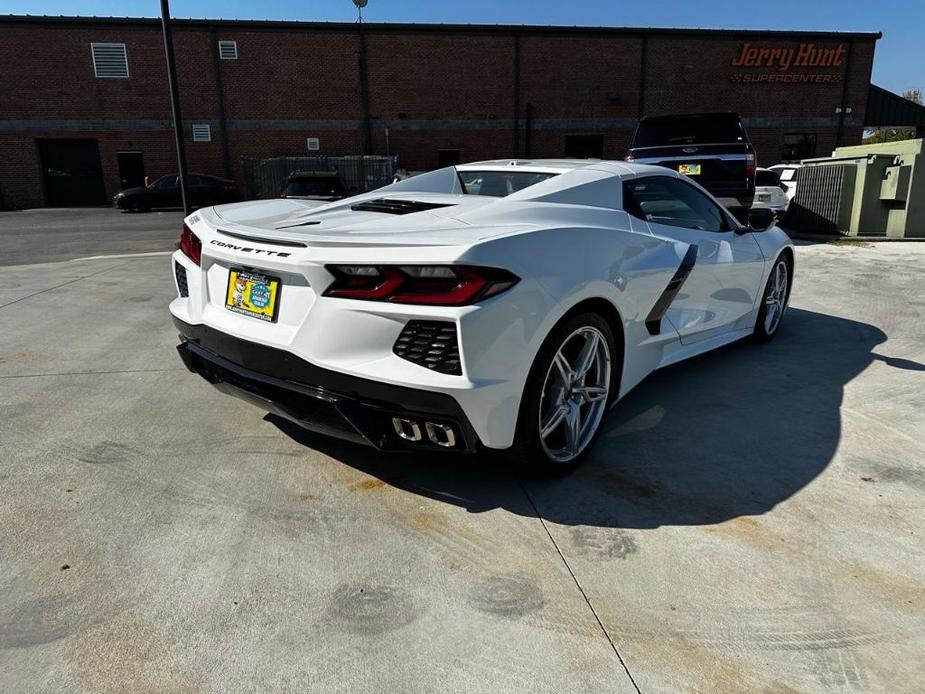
{"x": 360, "y": 4}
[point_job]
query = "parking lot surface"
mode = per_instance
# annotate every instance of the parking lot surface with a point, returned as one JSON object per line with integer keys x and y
{"x": 53, "y": 234}
{"x": 750, "y": 521}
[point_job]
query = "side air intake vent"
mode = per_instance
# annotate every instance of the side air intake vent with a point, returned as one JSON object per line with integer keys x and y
{"x": 390, "y": 206}
{"x": 432, "y": 344}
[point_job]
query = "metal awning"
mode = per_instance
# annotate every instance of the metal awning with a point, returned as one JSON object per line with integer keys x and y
{"x": 888, "y": 110}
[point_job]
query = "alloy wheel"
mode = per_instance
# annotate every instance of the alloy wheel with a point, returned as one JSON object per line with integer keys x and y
{"x": 776, "y": 298}
{"x": 575, "y": 393}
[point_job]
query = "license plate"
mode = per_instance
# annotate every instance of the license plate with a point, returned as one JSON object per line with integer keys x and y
{"x": 689, "y": 169}
{"x": 253, "y": 294}
{"x": 764, "y": 197}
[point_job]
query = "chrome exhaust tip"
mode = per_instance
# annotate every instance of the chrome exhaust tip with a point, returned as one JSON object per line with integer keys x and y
{"x": 407, "y": 429}
{"x": 441, "y": 434}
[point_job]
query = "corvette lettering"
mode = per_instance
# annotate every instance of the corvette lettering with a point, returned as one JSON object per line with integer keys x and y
{"x": 248, "y": 249}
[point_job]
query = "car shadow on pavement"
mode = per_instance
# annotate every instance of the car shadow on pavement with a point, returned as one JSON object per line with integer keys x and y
{"x": 728, "y": 434}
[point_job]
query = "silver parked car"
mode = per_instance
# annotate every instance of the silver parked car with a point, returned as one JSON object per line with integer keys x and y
{"x": 771, "y": 192}
{"x": 789, "y": 175}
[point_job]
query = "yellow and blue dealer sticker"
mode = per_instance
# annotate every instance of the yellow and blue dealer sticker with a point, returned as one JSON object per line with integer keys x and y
{"x": 253, "y": 294}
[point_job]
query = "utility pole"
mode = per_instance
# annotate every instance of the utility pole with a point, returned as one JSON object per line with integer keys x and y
{"x": 175, "y": 103}
{"x": 364, "y": 82}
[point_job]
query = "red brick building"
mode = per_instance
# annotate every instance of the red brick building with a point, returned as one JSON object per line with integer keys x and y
{"x": 90, "y": 95}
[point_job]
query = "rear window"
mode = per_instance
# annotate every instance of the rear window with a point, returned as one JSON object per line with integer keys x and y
{"x": 314, "y": 186}
{"x": 499, "y": 184}
{"x": 787, "y": 174}
{"x": 766, "y": 178}
{"x": 717, "y": 128}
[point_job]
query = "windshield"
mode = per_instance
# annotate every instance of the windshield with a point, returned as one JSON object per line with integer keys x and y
{"x": 314, "y": 186}
{"x": 499, "y": 184}
{"x": 713, "y": 128}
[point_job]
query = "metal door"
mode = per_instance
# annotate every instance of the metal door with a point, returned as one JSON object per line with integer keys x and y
{"x": 73, "y": 173}
{"x": 131, "y": 169}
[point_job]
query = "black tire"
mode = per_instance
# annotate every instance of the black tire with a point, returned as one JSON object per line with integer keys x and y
{"x": 529, "y": 453}
{"x": 764, "y": 330}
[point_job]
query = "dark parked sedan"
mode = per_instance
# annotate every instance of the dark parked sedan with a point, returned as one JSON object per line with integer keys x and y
{"x": 165, "y": 192}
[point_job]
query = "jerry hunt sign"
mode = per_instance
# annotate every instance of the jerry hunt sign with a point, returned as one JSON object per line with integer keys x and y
{"x": 778, "y": 64}
{"x": 806, "y": 55}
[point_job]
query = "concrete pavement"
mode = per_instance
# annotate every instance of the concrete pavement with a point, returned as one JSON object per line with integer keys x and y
{"x": 751, "y": 520}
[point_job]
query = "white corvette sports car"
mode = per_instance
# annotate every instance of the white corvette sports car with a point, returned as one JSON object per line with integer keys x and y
{"x": 497, "y": 305}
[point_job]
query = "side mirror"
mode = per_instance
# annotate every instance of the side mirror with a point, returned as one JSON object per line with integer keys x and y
{"x": 761, "y": 218}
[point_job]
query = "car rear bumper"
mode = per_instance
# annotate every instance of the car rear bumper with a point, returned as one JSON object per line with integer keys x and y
{"x": 777, "y": 208}
{"x": 732, "y": 197}
{"x": 325, "y": 401}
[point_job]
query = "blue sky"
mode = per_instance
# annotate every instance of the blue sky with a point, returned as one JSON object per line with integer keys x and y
{"x": 899, "y": 62}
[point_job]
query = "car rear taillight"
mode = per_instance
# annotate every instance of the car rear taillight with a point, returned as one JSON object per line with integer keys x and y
{"x": 190, "y": 245}
{"x": 750, "y": 165}
{"x": 434, "y": 285}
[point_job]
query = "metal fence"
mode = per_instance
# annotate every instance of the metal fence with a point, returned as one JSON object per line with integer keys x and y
{"x": 266, "y": 178}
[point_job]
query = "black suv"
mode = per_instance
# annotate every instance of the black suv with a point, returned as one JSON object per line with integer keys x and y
{"x": 712, "y": 148}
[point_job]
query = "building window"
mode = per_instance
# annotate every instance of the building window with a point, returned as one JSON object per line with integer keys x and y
{"x": 109, "y": 59}
{"x": 584, "y": 146}
{"x": 202, "y": 132}
{"x": 228, "y": 50}
{"x": 448, "y": 157}
{"x": 798, "y": 146}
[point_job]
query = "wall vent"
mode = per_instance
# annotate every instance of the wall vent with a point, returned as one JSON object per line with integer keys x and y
{"x": 202, "y": 132}
{"x": 228, "y": 50}
{"x": 109, "y": 59}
